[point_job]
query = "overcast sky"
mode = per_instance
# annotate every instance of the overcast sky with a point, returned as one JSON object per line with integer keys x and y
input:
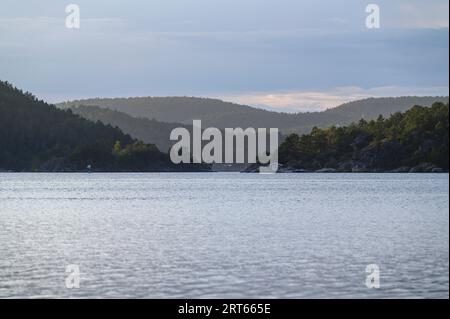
{"x": 283, "y": 54}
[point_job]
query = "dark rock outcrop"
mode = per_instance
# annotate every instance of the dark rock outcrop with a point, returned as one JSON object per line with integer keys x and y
{"x": 383, "y": 155}
{"x": 424, "y": 168}
{"x": 327, "y": 170}
{"x": 403, "y": 169}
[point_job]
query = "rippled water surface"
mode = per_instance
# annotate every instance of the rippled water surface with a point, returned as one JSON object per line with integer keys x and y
{"x": 224, "y": 235}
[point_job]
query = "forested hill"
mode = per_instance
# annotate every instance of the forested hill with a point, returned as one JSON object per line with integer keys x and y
{"x": 414, "y": 141}
{"x": 36, "y": 136}
{"x": 150, "y": 131}
{"x": 216, "y": 113}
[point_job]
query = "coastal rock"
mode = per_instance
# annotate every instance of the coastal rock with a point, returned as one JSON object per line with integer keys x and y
{"x": 423, "y": 168}
{"x": 380, "y": 155}
{"x": 289, "y": 169}
{"x": 426, "y": 147}
{"x": 254, "y": 168}
{"x": 361, "y": 140}
{"x": 403, "y": 169}
{"x": 293, "y": 164}
{"x": 327, "y": 170}
{"x": 300, "y": 170}
{"x": 360, "y": 169}
{"x": 352, "y": 166}
{"x": 345, "y": 166}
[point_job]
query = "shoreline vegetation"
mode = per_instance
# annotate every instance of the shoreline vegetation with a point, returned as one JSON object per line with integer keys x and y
{"x": 39, "y": 137}
{"x": 416, "y": 141}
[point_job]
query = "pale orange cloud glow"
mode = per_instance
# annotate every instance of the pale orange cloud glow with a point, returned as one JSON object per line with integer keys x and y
{"x": 304, "y": 101}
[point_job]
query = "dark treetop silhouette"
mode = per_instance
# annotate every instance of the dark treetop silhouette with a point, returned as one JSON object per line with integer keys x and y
{"x": 36, "y": 136}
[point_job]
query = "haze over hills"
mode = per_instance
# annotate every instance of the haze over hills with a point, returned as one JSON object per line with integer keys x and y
{"x": 216, "y": 113}
{"x": 227, "y": 115}
{"x": 140, "y": 128}
{"x": 149, "y": 131}
{"x": 36, "y": 136}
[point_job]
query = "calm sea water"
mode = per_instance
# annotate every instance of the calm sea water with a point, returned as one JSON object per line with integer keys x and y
{"x": 224, "y": 235}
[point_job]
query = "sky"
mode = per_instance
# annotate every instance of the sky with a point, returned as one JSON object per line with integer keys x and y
{"x": 285, "y": 55}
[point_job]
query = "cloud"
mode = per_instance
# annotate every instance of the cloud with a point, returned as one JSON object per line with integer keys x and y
{"x": 304, "y": 101}
{"x": 44, "y": 23}
{"x": 423, "y": 15}
{"x": 289, "y": 52}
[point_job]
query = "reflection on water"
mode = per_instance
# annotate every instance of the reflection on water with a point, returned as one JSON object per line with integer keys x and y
{"x": 224, "y": 235}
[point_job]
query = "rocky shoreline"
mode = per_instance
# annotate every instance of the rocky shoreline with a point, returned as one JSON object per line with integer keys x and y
{"x": 353, "y": 167}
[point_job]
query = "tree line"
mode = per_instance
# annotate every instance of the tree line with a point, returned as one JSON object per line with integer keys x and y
{"x": 416, "y": 140}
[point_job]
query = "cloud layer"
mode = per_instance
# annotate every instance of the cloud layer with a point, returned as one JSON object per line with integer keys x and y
{"x": 293, "y": 102}
{"x": 289, "y": 52}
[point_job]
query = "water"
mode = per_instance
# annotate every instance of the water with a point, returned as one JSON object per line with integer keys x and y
{"x": 224, "y": 235}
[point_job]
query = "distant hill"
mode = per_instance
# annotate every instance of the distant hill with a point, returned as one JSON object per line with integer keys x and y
{"x": 158, "y": 132}
{"x": 216, "y": 113}
{"x": 373, "y": 107}
{"x": 171, "y": 109}
{"x": 36, "y": 136}
{"x": 149, "y": 131}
